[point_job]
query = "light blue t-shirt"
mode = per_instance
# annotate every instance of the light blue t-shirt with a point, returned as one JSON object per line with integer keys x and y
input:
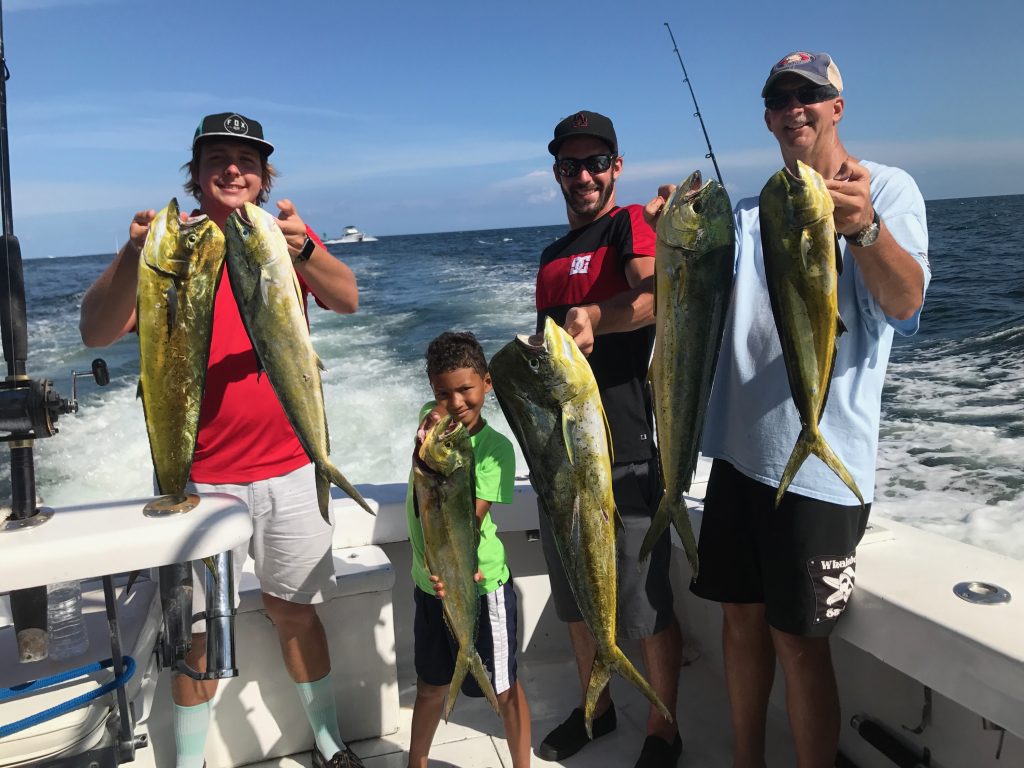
{"x": 752, "y": 422}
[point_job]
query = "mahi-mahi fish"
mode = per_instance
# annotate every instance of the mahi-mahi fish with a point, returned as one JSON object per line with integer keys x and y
{"x": 802, "y": 263}
{"x": 546, "y": 388}
{"x": 445, "y": 490}
{"x": 693, "y": 272}
{"x": 270, "y": 303}
{"x": 179, "y": 269}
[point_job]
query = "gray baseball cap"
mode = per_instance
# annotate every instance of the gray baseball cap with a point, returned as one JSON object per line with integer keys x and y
{"x": 816, "y": 67}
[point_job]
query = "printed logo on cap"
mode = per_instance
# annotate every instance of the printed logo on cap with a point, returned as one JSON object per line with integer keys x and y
{"x": 235, "y": 124}
{"x": 794, "y": 58}
{"x": 580, "y": 120}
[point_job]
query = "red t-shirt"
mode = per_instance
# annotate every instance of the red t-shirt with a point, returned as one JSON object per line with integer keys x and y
{"x": 244, "y": 434}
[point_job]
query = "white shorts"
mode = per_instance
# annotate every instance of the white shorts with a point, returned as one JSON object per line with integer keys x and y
{"x": 290, "y": 544}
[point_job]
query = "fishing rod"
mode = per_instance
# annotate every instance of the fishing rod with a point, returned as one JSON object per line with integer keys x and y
{"x": 686, "y": 78}
{"x": 28, "y": 407}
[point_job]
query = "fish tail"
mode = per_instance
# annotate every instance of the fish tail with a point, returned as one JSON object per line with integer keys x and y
{"x": 812, "y": 441}
{"x": 335, "y": 476}
{"x": 621, "y": 664}
{"x": 600, "y": 674}
{"x": 469, "y": 662}
{"x": 674, "y": 510}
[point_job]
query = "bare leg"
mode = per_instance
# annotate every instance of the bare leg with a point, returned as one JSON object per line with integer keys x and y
{"x": 812, "y": 699}
{"x": 585, "y": 650}
{"x": 186, "y": 692}
{"x": 749, "y": 673}
{"x": 662, "y": 653}
{"x": 426, "y": 714}
{"x": 515, "y": 713}
{"x": 302, "y": 637}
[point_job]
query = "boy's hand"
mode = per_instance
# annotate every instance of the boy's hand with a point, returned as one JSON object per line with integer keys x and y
{"x": 439, "y": 585}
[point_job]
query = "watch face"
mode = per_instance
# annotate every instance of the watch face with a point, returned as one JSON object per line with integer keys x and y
{"x": 867, "y": 236}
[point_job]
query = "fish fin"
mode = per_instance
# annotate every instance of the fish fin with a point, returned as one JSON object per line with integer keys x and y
{"x": 319, "y": 362}
{"x": 476, "y": 667}
{"x": 138, "y": 390}
{"x": 266, "y": 280}
{"x": 323, "y": 496}
{"x": 840, "y": 326}
{"x": 839, "y": 256}
{"x": 461, "y": 669}
{"x": 335, "y": 476}
{"x": 600, "y": 675}
{"x": 260, "y": 370}
{"x": 659, "y": 524}
{"x": 608, "y": 436}
{"x": 674, "y": 510}
{"x": 568, "y": 425}
{"x": 171, "y": 296}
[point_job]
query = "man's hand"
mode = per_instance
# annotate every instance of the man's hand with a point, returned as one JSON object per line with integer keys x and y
{"x": 580, "y": 325}
{"x": 139, "y": 228}
{"x": 439, "y": 585}
{"x": 292, "y": 227}
{"x": 653, "y": 209}
{"x": 851, "y": 193}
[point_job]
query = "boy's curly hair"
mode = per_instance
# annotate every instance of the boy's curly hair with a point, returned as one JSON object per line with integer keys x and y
{"x": 455, "y": 349}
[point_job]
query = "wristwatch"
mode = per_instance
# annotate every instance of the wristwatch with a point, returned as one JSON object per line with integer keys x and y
{"x": 307, "y": 250}
{"x": 868, "y": 235}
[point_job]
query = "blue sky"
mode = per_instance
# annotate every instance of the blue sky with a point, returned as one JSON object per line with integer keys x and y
{"x": 406, "y": 117}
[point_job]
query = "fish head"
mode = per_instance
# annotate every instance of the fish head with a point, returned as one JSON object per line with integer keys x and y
{"x": 445, "y": 448}
{"x": 798, "y": 199}
{"x": 254, "y": 232}
{"x": 176, "y": 244}
{"x": 698, "y": 217}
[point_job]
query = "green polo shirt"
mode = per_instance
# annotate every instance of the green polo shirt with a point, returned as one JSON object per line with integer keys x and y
{"x": 495, "y": 462}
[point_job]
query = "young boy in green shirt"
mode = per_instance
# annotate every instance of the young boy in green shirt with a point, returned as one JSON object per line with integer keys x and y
{"x": 458, "y": 376}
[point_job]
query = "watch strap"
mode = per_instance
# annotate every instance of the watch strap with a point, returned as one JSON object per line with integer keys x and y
{"x": 307, "y": 250}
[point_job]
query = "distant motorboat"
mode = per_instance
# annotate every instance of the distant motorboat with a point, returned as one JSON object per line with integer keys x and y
{"x": 351, "y": 235}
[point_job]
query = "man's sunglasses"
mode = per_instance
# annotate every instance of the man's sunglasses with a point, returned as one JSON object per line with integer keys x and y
{"x": 806, "y": 94}
{"x": 569, "y": 167}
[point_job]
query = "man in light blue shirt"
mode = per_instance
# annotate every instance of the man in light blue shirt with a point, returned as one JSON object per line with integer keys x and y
{"x": 784, "y": 575}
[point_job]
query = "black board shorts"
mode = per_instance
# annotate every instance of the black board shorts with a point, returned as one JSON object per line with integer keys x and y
{"x": 644, "y": 597}
{"x": 799, "y": 560}
{"x": 436, "y": 649}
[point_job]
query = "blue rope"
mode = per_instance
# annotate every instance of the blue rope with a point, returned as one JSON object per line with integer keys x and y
{"x": 67, "y": 706}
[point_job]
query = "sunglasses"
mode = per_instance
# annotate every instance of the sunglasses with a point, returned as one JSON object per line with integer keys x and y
{"x": 806, "y": 94}
{"x": 569, "y": 167}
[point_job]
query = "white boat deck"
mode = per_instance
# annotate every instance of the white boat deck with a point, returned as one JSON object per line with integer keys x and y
{"x": 474, "y": 737}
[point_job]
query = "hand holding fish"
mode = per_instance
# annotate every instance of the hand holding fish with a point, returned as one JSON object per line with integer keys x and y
{"x": 653, "y": 209}
{"x": 851, "y": 194}
{"x": 439, "y": 585}
{"x": 139, "y": 228}
{"x": 580, "y": 325}
{"x": 292, "y": 227}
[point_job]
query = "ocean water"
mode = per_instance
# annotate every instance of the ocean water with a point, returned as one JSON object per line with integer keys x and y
{"x": 952, "y": 435}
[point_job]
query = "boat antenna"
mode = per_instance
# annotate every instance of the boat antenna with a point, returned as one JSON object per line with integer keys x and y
{"x": 686, "y": 78}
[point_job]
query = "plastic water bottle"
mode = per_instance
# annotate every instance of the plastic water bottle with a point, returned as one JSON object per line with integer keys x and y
{"x": 64, "y": 620}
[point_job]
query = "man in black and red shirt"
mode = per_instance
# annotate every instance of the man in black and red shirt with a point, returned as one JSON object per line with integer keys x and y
{"x": 597, "y": 282}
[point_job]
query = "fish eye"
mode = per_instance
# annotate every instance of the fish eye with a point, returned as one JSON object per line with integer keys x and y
{"x": 191, "y": 240}
{"x": 534, "y": 363}
{"x": 698, "y": 207}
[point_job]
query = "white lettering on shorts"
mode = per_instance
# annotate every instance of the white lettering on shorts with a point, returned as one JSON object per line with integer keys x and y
{"x": 832, "y": 579}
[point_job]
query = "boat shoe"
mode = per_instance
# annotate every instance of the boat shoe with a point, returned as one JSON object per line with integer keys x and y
{"x": 346, "y": 758}
{"x": 658, "y": 753}
{"x": 571, "y": 736}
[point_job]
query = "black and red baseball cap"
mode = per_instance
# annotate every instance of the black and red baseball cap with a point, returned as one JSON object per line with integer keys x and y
{"x": 584, "y": 123}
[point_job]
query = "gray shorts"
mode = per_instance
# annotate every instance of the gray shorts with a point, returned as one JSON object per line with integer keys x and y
{"x": 644, "y": 589}
{"x": 290, "y": 544}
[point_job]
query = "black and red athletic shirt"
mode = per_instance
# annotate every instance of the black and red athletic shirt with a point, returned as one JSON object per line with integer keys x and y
{"x": 587, "y": 266}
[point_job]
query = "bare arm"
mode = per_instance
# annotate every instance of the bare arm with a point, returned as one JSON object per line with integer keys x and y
{"x": 627, "y": 311}
{"x": 108, "y": 307}
{"x": 892, "y": 275}
{"x": 327, "y": 277}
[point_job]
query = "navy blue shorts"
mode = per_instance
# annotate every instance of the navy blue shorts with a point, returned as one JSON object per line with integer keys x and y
{"x": 436, "y": 650}
{"x": 799, "y": 560}
{"x": 645, "y": 605}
